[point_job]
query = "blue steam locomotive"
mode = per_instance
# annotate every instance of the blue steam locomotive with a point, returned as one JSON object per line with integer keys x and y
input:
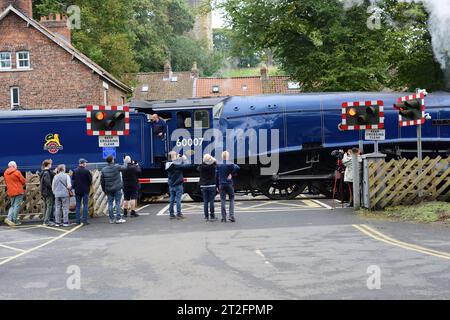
{"x": 283, "y": 143}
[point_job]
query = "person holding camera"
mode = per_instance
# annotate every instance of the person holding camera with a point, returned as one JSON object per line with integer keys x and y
{"x": 174, "y": 168}
{"x": 130, "y": 178}
{"x": 347, "y": 160}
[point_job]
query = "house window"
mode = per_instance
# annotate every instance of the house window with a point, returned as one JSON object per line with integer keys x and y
{"x": 215, "y": 89}
{"x": 105, "y": 96}
{"x": 293, "y": 85}
{"x": 23, "y": 60}
{"x": 5, "y": 60}
{"x": 15, "y": 97}
{"x": 144, "y": 88}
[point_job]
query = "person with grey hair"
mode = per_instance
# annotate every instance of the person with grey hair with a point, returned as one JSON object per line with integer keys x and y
{"x": 14, "y": 183}
{"x": 61, "y": 186}
{"x": 208, "y": 186}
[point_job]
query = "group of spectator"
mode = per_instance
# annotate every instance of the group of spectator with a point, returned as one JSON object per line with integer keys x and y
{"x": 213, "y": 178}
{"x": 58, "y": 187}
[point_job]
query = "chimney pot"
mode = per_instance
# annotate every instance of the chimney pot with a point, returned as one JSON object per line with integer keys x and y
{"x": 194, "y": 70}
{"x": 57, "y": 24}
{"x": 264, "y": 73}
{"x": 167, "y": 70}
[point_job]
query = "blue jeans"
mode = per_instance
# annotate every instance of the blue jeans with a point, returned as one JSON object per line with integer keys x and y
{"x": 85, "y": 199}
{"x": 175, "y": 194}
{"x": 224, "y": 190}
{"x": 209, "y": 194}
{"x": 15, "y": 206}
{"x": 117, "y": 197}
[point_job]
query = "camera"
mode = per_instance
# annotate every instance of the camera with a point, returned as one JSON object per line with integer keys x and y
{"x": 338, "y": 154}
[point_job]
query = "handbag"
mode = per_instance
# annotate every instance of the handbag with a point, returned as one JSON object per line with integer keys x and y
{"x": 71, "y": 194}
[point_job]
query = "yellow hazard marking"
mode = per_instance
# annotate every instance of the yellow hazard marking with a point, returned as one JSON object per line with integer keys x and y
{"x": 66, "y": 233}
{"x": 408, "y": 246}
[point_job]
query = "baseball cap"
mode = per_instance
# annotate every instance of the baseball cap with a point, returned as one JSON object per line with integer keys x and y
{"x": 82, "y": 160}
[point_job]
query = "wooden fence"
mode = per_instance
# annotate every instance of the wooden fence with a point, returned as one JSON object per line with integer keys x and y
{"x": 406, "y": 182}
{"x": 31, "y": 207}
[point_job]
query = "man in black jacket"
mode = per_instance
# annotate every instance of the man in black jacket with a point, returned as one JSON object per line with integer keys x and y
{"x": 46, "y": 179}
{"x": 174, "y": 168}
{"x": 130, "y": 177}
{"x": 82, "y": 180}
{"x": 111, "y": 182}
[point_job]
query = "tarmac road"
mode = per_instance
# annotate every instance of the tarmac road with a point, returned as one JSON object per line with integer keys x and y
{"x": 276, "y": 250}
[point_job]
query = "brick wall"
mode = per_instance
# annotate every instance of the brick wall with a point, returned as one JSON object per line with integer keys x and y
{"x": 56, "y": 80}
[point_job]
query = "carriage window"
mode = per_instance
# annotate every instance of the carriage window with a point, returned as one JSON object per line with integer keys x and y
{"x": 201, "y": 119}
{"x": 217, "y": 110}
{"x": 184, "y": 120}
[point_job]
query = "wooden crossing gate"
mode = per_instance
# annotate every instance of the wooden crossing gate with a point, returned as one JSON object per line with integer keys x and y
{"x": 405, "y": 182}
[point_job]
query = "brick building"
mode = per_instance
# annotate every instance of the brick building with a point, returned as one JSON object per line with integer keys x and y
{"x": 183, "y": 85}
{"x": 40, "y": 69}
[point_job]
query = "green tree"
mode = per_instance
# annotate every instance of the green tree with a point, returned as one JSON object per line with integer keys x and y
{"x": 184, "y": 51}
{"x": 331, "y": 48}
{"x": 231, "y": 46}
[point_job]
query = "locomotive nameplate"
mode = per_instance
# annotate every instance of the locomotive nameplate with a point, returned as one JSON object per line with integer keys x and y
{"x": 375, "y": 134}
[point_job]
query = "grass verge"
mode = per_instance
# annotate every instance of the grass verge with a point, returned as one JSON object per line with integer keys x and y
{"x": 429, "y": 212}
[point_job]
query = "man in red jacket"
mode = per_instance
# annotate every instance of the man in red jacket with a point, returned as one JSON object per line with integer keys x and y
{"x": 14, "y": 183}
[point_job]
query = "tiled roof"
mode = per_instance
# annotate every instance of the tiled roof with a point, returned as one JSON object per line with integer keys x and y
{"x": 153, "y": 86}
{"x": 239, "y": 86}
{"x": 278, "y": 84}
{"x": 242, "y": 86}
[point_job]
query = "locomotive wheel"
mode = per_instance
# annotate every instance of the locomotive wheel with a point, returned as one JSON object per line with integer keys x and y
{"x": 282, "y": 190}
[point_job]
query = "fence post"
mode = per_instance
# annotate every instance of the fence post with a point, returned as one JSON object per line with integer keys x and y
{"x": 367, "y": 159}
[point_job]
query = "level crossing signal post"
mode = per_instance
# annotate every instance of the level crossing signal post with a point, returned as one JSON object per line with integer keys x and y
{"x": 108, "y": 123}
{"x": 411, "y": 112}
{"x": 362, "y": 115}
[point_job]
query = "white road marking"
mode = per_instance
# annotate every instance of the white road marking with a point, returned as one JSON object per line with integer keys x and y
{"x": 11, "y": 248}
{"x": 142, "y": 208}
{"x": 259, "y": 253}
{"x": 28, "y": 240}
{"x": 291, "y": 210}
{"x": 66, "y": 233}
{"x": 52, "y": 228}
{"x": 163, "y": 211}
{"x": 2, "y": 258}
{"x": 322, "y": 204}
{"x": 19, "y": 228}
